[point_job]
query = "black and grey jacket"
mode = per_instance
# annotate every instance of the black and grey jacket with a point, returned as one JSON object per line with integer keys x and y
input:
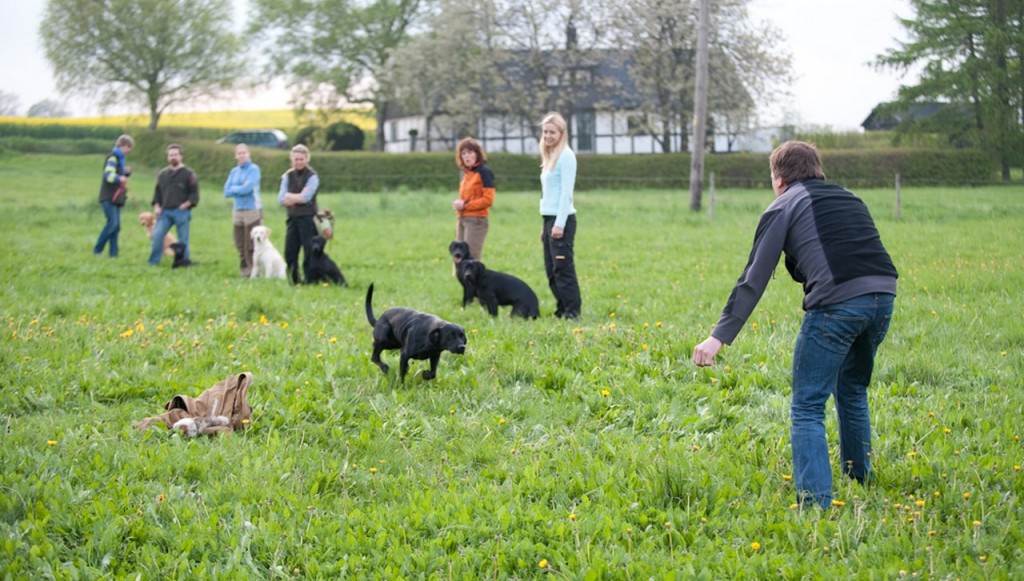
{"x": 832, "y": 248}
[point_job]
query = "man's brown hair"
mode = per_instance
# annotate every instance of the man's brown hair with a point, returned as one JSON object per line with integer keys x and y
{"x": 794, "y": 161}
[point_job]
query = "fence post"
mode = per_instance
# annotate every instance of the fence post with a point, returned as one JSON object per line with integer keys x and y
{"x": 898, "y": 209}
{"x": 711, "y": 195}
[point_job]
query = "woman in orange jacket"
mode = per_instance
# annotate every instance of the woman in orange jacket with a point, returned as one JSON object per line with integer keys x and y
{"x": 476, "y": 194}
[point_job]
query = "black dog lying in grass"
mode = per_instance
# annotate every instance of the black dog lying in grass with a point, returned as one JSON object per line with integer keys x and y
{"x": 496, "y": 289}
{"x": 179, "y": 256}
{"x": 321, "y": 267}
{"x": 418, "y": 335}
{"x": 460, "y": 254}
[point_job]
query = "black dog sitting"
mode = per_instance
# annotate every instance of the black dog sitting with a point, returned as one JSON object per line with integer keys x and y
{"x": 321, "y": 267}
{"x": 179, "y": 256}
{"x": 496, "y": 289}
{"x": 418, "y": 335}
{"x": 460, "y": 254}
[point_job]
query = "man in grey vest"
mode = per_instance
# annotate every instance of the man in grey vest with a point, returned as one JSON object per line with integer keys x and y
{"x": 298, "y": 196}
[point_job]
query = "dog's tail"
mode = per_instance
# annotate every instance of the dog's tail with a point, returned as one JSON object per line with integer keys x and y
{"x": 369, "y": 306}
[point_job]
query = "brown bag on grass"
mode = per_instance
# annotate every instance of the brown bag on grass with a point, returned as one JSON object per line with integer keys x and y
{"x": 221, "y": 408}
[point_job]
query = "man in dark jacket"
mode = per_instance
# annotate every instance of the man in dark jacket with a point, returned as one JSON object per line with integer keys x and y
{"x": 176, "y": 194}
{"x": 833, "y": 249}
{"x": 113, "y": 193}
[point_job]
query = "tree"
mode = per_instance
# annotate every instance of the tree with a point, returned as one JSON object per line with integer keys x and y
{"x": 152, "y": 52}
{"x": 336, "y": 51}
{"x": 971, "y": 54}
{"x": 9, "y": 104}
{"x": 746, "y": 62}
{"x": 47, "y": 108}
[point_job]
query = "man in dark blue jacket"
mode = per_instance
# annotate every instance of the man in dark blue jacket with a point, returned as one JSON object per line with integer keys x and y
{"x": 833, "y": 249}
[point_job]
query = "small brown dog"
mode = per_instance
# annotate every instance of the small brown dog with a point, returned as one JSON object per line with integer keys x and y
{"x": 148, "y": 221}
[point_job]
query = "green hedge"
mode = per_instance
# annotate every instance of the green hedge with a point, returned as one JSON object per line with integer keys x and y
{"x": 368, "y": 171}
{"x": 60, "y": 131}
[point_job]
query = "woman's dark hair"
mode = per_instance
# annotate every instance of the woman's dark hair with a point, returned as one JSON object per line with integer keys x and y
{"x": 473, "y": 145}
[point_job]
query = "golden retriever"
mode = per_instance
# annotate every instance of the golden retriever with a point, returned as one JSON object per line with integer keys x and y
{"x": 148, "y": 221}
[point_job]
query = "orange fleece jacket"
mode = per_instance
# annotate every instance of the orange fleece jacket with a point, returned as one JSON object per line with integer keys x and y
{"x": 477, "y": 190}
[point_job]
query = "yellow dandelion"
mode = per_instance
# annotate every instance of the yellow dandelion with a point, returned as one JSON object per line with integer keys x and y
{"x": 51, "y": 443}
{"x": 612, "y": 315}
{"x": 976, "y": 523}
{"x": 911, "y": 454}
{"x": 967, "y": 496}
{"x": 794, "y": 506}
{"x": 512, "y": 451}
{"x": 451, "y": 411}
{"x": 160, "y": 498}
{"x": 284, "y": 324}
{"x": 246, "y": 422}
{"x": 611, "y": 327}
{"x": 931, "y": 414}
{"x": 263, "y": 320}
{"x": 936, "y": 494}
{"x": 753, "y": 325}
{"x": 668, "y": 524}
{"x": 1003, "y": 353}
{"x": 140, "y": 327}
{"x": 231, "y": 346}
{"x": 931, "y": 533}
{"x": 576, "y": 331}
{"x": 572, "y": 516}
{"x": 787, "y": 477}
{"x": 1016, "y": 467}
{"x": 934, "y": 314}
{"x": 501, "y": 421}
{"x": 755, "y": 546}
{"x": 543, "y": 564}
{"x": 647, "y": 325}
{"x": 838, "y": 503}
{"x": 695, "y": 447}
{"x": 919, "y": 503}
{"x": 714, "y": 380}
{"x": 657, "y": 324}
{"x": 373, "y": 469}
{"x": 127, "y": 334}
{"x": 947, "y": 431}
{"x": 333, "y": 339}
{"x": 319, "y": 355}
{"x": 605, "y": 393}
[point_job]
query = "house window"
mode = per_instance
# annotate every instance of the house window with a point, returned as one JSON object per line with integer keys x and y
{"x": 585, "y": 131}
{"x": 553, "y": 80}
{"x": 584, "y": 77}
{"x": 393, "y": 131}
{"x": 636, "y": 125}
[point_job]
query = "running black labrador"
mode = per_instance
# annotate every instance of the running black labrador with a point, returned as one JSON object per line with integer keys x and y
{"x": 459, "y": 250}
{"x": 496, "y": 289}
{"x": 418, "y": 335}
{"x": 321, "y": 267}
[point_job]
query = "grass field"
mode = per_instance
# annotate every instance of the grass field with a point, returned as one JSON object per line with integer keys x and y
{"x": 583, "y": 450}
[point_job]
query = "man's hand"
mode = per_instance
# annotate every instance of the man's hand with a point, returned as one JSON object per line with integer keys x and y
{"x": 185, "y": 205}
{"x": 704, "y": 354}
{"x": 557, "y": 232}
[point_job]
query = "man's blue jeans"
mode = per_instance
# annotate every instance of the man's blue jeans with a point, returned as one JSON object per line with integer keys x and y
{"x": 835, "y": 355}
{"x": 168, "y": 218}
{"x": 110, "y": 229}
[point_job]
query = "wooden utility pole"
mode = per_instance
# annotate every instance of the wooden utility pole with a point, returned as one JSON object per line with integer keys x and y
{"x": 700, "y": 107}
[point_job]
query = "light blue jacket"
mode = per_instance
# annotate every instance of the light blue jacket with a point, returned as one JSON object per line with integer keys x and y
{"x": 243, "y": 184}
{"x": 557, "y": 188}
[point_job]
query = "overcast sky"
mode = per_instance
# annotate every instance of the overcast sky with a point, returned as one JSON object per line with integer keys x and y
{"x": 832, "y": 42}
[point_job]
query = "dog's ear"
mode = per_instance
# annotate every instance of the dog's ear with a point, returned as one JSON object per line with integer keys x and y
{"x": 435, "y": 336}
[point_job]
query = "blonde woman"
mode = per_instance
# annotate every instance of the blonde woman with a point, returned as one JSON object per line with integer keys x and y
{"x": 558, "y": 180}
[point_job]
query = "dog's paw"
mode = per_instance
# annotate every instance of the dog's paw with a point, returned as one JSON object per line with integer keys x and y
{"x": 428, "y": 374}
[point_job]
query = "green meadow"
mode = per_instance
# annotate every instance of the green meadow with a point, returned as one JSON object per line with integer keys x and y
{"x": 588, "y": 449}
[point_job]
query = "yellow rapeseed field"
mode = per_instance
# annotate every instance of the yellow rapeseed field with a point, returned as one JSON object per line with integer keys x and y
{"x": 266, "y": 119}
